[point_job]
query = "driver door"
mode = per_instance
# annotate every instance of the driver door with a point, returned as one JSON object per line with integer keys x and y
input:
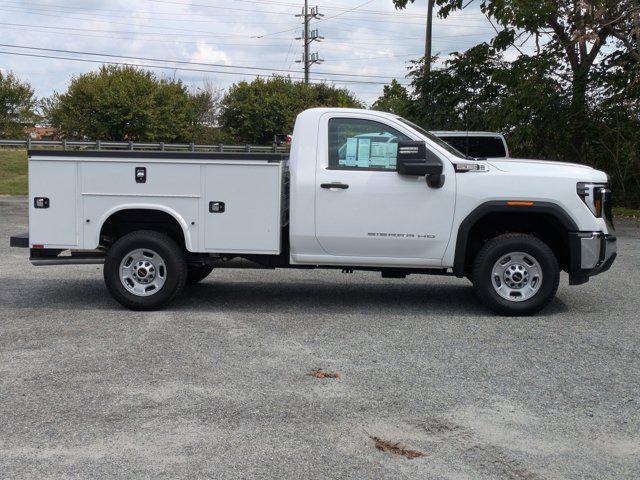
{"x": 364, "y": 209}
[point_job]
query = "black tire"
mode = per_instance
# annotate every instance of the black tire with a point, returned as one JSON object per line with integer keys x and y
{"x": 493, "y": 251}
{"x": 174, "y": 269}
{"x": 198, "y": 273}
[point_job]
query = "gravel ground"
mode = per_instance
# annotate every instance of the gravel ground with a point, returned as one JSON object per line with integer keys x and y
{"x": 217, "y": 386}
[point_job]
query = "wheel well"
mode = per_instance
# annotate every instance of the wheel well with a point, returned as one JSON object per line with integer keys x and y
{"x": 544, "y": 226}
{"x": 126, "y": 221}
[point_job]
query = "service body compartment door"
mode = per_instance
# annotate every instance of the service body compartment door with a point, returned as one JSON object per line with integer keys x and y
{"x": 53, "y": 218}
{"x": 242, "y": 208}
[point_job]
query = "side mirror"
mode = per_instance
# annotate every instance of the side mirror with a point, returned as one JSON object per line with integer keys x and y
{"x": 415, "y": 159}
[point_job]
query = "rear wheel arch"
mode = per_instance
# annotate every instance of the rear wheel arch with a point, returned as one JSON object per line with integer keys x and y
{"x": 126, "y": 219}
{"x": 547, "y": 221}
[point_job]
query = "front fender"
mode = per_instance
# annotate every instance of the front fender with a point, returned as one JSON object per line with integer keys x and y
{"x": 502, "y": 206}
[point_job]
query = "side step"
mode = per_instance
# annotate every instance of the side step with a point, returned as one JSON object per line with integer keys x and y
{"x": 44, "y": 257}
{"x": 72, "y": 260}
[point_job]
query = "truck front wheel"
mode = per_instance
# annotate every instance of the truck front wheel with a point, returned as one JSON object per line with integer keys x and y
{"x": 516, "y": 274}
{"x": 145, "y": 270}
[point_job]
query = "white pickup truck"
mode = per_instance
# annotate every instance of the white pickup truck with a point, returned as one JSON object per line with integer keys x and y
{"x": 361, "y": 190}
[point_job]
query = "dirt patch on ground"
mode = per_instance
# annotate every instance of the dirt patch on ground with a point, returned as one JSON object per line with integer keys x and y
{"x": 319, "y": 373}
{"x": 396, "y": 448}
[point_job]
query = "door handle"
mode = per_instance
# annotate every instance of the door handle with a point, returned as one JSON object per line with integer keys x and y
{"x": 342, "y": 186}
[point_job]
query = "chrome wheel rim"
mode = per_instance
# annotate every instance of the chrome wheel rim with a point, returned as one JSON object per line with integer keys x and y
{"x": 517, "y": 276}
{"x": 143, "y": 272}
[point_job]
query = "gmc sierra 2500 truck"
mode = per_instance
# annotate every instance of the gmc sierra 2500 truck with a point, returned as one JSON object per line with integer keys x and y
{"x": 361, "y": 190}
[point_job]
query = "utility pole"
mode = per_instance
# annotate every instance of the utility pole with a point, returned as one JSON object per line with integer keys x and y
{"x": 309, "y": 36}
{"x": 427, "y": 45}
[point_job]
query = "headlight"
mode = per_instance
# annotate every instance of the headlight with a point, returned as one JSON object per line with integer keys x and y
{"x": 596, "y": 196}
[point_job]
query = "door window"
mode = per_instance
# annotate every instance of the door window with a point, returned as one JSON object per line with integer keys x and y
{"x": 356, "y": 144}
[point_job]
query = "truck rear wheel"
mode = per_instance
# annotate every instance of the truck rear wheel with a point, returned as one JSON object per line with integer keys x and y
{"x": 516, "y": 274}
{"x": 197, "y": 273}
{"x": 145, "y": 270}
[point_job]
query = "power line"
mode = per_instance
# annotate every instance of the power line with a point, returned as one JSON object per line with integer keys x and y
{"x": 210, "y": 34}
{"x": 198, "y": 33}
{"x": 193, "y": 33}
{"x": 47, "y": 29}
{"x": 153, "y": 15}
{"x": 326, "y": 7}
{"x": 183, "y": 62}
{"x": 169, "y": 2}
{"x": 164, "y": 67}
{"x": 173, "y": 18}
{"x": 347, "y": 11}
{"x": 22, "y": 26}
{"x": 352, "y": 59}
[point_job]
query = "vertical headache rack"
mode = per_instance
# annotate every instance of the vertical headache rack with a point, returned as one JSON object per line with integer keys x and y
{"x": 141, "y": 146}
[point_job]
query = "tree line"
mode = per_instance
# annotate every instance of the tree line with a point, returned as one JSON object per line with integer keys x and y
{"x": 127, "y": 103}
{"x": 574, "y": 97}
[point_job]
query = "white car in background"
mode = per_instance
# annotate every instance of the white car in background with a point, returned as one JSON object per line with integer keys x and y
{"x": 476, "y": 144}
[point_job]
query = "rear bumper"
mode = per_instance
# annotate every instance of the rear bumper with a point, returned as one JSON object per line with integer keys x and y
{"x": 48, "y": 256}
{"x": 591, "y": 253}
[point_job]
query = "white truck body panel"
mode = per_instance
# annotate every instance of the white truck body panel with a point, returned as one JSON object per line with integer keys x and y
{"x": 85, "y": 192}
{"x": 57, "y": 226}
{"x": 326, "y": 226}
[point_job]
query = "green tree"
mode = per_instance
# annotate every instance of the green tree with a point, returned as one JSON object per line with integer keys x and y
{"x": 479, "y": 90}
{"x": 126, "y": 103}
{"x": 17, "y": 106}
{"x": 576, "y": 31}
{"x": 254, "y": 112}
{"x": 395, "y": 99}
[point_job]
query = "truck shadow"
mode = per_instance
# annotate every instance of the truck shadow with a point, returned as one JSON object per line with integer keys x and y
{"x": 338, "y": 298}
{"x": 296, "y": 296}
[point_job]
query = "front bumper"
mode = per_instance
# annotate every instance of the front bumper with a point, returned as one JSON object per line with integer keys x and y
{"x": 591, "y": 253}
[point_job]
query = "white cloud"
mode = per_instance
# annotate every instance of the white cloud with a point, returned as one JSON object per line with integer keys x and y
{"x": 207, "y": 54}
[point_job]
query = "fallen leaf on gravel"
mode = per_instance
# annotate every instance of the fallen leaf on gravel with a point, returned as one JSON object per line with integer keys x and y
{"x": 318, "y": 373}
{"x": 396, "y": 448}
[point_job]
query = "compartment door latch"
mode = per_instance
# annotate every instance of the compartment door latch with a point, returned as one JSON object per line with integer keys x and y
{"x": 216, "y": 207}
{"x": 41, "y": 202}
{"x": 141, "y": 175}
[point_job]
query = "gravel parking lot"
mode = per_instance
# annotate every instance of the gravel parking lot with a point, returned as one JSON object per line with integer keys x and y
{"x": 217, "y": 386}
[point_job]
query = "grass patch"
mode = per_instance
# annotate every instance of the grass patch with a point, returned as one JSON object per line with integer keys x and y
{"x": 626, "y": 212}
{"x": 13, "y": 172}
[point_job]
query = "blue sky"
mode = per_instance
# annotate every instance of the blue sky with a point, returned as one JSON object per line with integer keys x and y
{"x": 370, "y": 39}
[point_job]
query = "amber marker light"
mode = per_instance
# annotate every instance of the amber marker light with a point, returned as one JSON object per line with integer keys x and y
{"x": 598, "y": 206}
{"x": 520, "y": 204}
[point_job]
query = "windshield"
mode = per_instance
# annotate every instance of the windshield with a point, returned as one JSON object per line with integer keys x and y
{"x": 433, "y": 138}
